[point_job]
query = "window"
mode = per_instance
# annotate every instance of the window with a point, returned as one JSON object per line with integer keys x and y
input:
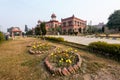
{"x": 56, "y": 25}
{"x": 70, "y": 23}
{"x": 78, "y": 24}
{"x": 75, "y": 23}
{"x": 64, "y": 24}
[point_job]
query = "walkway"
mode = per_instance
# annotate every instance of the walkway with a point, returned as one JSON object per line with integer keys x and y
{"x": 87, "y": 40}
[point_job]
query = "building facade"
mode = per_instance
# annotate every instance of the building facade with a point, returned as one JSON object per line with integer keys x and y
{"x": 52, "y": 25}
{"x": 72, "y": 25}
{"x": 100, "y": 25}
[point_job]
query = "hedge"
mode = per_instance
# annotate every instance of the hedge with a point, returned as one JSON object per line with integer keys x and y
{"x": 56, "y": 39}
{"x": 109, "y": 50}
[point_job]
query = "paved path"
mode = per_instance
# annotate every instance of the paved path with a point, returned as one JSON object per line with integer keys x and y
{"x": 86, "y": 40}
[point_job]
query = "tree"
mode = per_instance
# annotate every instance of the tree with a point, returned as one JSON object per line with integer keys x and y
{"x": 114, "y": 20}
{"x": 38, "y": 30}
{"x": 76, "y": 33}
{"x": 70, "y": 31}
{"x": 43, "y": 29}
{"x": 92, "y": 29}
{"x": 103, "y": 29}
{"x": 79, "y": 30}
{"x": 59, "y": 29}
{"x": 64, "y": 31}
{"x": 30, "y": 32}
{"x": 1, "y": 37}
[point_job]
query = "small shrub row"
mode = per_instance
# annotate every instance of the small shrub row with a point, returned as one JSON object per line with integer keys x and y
{"x": 56, "y": 39}
{"x": 109, "y": 50}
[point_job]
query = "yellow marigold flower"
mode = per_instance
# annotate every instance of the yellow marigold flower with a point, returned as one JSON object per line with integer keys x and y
{"x": 62, "y": 59}
{"x": 66, "y": 60}
{"x": 75, "y": 50}
{"x": 34, "y": 46}
{"x": 70, "y": 61}
{"x": 70, "y": 48}
{"x": 66, "y": 50}
{"x": 52, "y": 54}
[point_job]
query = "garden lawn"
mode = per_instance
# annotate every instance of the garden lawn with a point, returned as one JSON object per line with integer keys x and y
{"x": 17, "y": 64}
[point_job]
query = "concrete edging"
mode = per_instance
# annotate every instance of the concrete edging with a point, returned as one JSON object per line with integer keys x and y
{"x": 41, "y": 52}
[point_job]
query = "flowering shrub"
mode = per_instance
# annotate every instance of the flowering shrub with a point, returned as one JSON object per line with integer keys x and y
{"x": 41, "y": 46}
{"x": 63, "y": 58}
{"x": 38, "y": 47}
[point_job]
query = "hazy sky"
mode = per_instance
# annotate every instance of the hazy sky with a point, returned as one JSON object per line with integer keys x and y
{"x": 21, "y": 12}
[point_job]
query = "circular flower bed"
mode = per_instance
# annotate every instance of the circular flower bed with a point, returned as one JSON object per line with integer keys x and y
{"x": 63, "y": 62}
{"x": 29, "y": 45}
{"x": 38, "y": 48}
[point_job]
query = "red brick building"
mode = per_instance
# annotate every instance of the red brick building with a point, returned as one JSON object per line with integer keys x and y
{"x": 52, "y": 25}
{"x": 73, "y": 24}
{"x": 68, "y": 25}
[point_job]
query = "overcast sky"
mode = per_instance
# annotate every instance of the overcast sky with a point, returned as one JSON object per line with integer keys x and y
{"x": 21, "y": 12}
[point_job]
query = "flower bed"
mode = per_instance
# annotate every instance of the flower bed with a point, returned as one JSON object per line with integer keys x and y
{"x": 30, "y": 44}
{"x": 39, "y": 48}
{"x": 63, "y": 62}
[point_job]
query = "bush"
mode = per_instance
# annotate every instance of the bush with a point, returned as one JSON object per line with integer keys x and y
{"x": 109, "y": 50}
{"x": 1, "y": 37}
{"x": 56, "y": 39}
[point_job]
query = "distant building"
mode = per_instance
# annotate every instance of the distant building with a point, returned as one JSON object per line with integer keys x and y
{"x": 14, "y": 31}
{"x": 52, "y": 25}
{"x": 100, "y": 25}
{"x": 72, "y": 24}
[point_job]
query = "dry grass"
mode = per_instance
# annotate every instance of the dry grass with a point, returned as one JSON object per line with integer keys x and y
{"x": 17, "y": 64}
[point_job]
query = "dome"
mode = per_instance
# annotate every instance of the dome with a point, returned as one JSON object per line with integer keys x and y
{"x": 53, "y": 16}
{"x": 39, "y": 21}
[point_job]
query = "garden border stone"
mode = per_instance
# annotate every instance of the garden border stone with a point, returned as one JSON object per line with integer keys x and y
{"x": 63, "y": 71}
{"x": 41, "y": 52}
